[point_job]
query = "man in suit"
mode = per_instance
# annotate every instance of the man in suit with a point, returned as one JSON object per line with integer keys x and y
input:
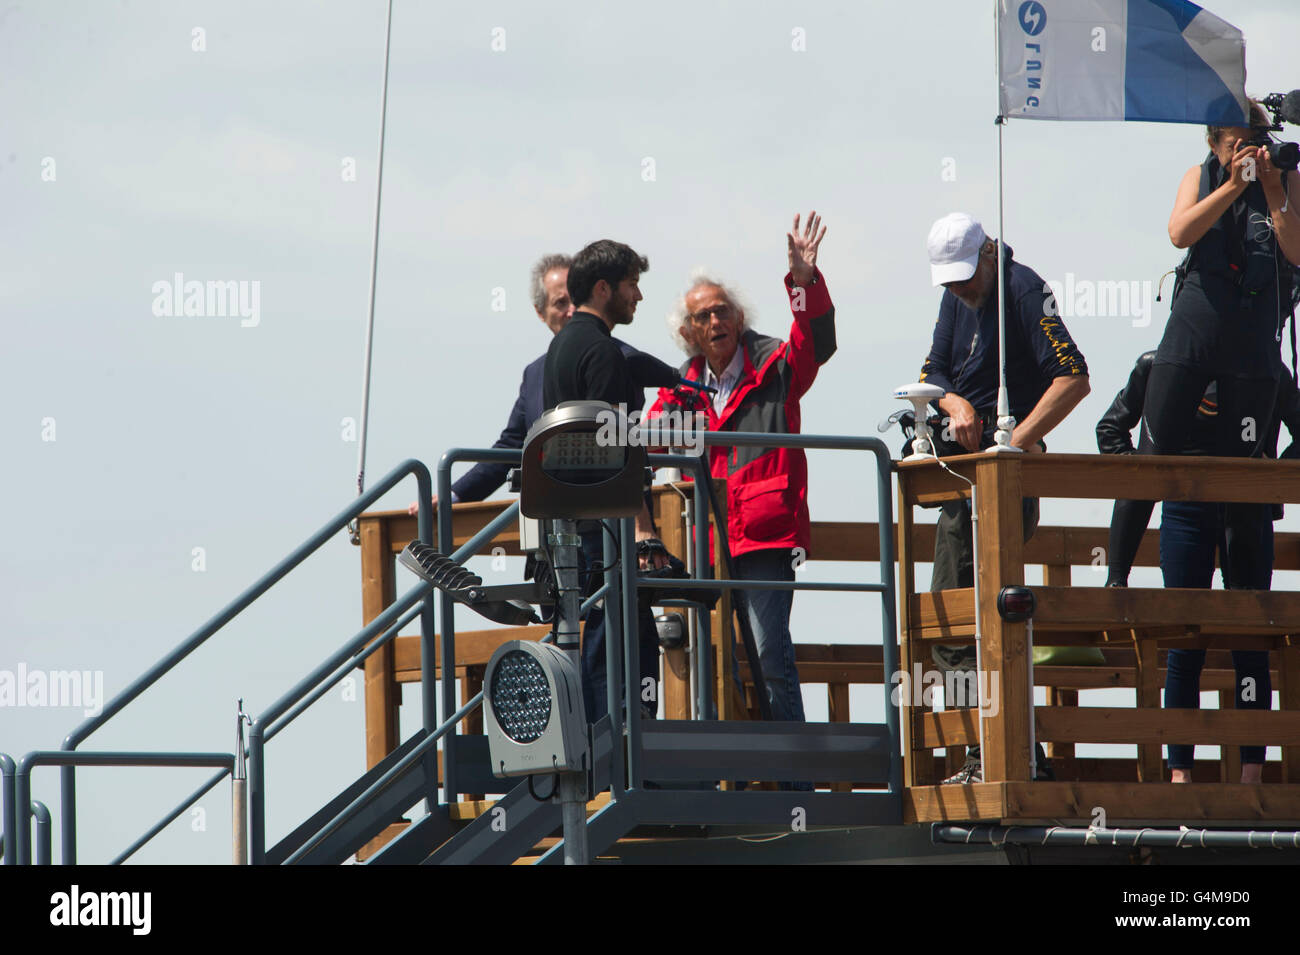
{"x": 551, "y": 302}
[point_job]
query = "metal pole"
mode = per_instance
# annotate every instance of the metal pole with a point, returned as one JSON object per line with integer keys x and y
{"x": 979, "y": 637}
{"x": 1006, "y": 423}
{"x": 573, "y": 813}
{"x": 22, "y": 833}
{"x": 239, "y": 794}
{"x": 447, "y": 618}
{"x": 631, "y": 654}
{"x": 257, "y": 794}
{"x": 10, "y": 808}
{"x": 1033, "y": 729}
{"x": 888, "y": 623}
{"x": 374, "y": 263}
{"x": 704, "y": 643}
{"x": 613, "y": 654}
{"x": 42, "y": 816}
{"x": 68, "y": 808}
{"x": 692, "y": 614}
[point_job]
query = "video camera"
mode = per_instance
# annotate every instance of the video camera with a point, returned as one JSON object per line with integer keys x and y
{"x": 1285, "y": 107}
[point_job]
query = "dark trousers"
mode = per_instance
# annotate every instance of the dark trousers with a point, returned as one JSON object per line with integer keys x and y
{"x": 595, "y": 682}
{"x": 1190, "y": 533}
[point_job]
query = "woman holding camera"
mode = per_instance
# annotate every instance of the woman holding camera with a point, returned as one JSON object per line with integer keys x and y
{"x": 1236, "y": 214}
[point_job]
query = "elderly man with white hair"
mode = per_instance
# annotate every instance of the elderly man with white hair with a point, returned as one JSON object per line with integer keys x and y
{"x": 759, "y": 381}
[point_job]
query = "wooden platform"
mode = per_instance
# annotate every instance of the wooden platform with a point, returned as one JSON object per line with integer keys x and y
{"x": 1134, "y": 629}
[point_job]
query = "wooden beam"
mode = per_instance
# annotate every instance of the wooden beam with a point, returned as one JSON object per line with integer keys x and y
{"x": 1162, "y": 478}
{"x": 973, "y": 801}
{"x": 1095, "y": 724}
{"x": 1129, "y": 803}
{"x": 1004, "y": 650}
{"x": 382, "y": 694}
{"x": 949, "y": 728}
{"x": 1220, "y": 611}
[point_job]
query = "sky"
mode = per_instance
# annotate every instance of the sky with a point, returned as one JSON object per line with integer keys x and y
{"x": 158, "y": 463}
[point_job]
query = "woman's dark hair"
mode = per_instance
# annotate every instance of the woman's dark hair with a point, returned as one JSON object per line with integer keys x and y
{"x": 1258, "y": 121}
{"x": 606, "y": 259}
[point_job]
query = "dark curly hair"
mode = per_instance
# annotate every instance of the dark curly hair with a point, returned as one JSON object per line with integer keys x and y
{"x": 605, "y": 259}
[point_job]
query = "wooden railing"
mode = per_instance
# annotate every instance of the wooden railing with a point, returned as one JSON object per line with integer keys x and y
{"x": 1140, "y": 620}
{"x": 1134, "y": 629}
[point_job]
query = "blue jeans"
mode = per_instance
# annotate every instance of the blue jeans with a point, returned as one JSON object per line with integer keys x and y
{"x": 1190, "y": 534}
{"x": 768, "y": 612}
{"x": 595, "y": 682}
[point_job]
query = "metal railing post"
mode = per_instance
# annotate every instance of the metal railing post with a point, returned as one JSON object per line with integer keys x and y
{"x": 631, "y": 653}
{"x": 704, "y": 707}
{"x": 446, "y": 616}
{"x": 888, "y": 612}
{"x": 9, "y": 806}
{"x": 611, "y": 535}
{"x": 257, "y": 793}
{"x": 68, "y": 807}
{"x": 42, "y": 817}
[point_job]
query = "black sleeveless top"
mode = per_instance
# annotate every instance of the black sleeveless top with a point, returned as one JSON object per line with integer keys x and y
{"x": 1227, "y": 316}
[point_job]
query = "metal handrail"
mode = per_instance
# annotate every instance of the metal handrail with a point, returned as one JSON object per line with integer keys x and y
{"x": 66, "y": 758}
{"x": 407, "y": 761}
{"x": 224, "y": 616}
{"x": 320, "y": 691}
{"x": 42, "y": 816}
{"x": 9, "y": 808}
{"x": 259, "y": 733}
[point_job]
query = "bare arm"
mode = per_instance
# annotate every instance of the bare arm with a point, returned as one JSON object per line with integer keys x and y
{"x": 1058, "y": 401}
{"x": 1191, "y": 219}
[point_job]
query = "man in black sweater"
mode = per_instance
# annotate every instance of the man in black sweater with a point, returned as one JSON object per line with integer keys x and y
{"x": 585, "y": 363}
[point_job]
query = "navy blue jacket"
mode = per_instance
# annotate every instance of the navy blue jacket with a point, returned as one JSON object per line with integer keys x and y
{"x": 486, "y": 476}
{"x": 963, "y": 357}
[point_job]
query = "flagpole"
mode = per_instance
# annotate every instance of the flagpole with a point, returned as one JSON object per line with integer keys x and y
{"x": 374, "y": 267}
{"x": 1006, "y": 423}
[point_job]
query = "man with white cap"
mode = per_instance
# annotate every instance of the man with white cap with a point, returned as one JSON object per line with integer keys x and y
{"x": 1046, "y": 377}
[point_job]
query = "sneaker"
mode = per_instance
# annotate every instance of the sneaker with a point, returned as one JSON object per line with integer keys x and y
{"x": 953, "y": 658}
{"x": 972, "y": 772}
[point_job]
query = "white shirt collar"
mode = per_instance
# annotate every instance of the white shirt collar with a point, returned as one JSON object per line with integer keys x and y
{"x": 729, "y": 374}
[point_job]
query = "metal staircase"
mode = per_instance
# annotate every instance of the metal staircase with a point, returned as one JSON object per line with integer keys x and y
{"x": 659, "y": 774}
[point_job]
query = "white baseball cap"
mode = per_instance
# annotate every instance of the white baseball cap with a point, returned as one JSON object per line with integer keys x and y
{"x": 954, "y": 244}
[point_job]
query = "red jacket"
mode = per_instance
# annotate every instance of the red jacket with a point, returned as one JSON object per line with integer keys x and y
{"x": 767, "y": 488}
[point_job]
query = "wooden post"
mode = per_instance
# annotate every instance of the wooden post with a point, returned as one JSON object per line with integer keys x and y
{"x": 378, "y": 590}
{"x": 676, "y": 688}
{"x": 1058, "y": 575}
{"x": 1229, "y": 754}
{"x": 1288, "y": 697}
{"x": 918, "y": 763}
{"x": 1004, "y": 653}
{"x": 1146, "y": 674}
{"x": 1062, "y": 751}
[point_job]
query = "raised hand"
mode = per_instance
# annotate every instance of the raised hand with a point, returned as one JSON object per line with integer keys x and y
{"x": 802, "y": 249}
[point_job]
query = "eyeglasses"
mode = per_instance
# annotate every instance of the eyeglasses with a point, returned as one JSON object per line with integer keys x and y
{"x": 725, "y": 313}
